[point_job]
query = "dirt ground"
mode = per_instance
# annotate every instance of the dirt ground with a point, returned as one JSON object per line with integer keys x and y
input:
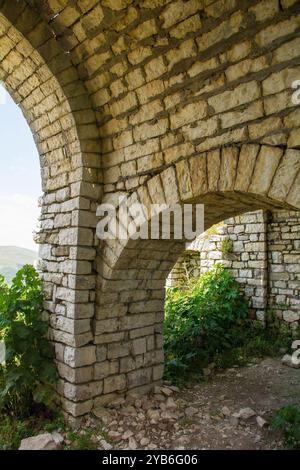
{"x": 204, "y": 416}
{"x": 263, "y": 387}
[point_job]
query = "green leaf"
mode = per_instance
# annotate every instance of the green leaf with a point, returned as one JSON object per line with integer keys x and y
{"x": 29, "y": 369}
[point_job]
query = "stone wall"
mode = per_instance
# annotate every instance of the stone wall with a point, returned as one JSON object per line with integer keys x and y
{"x": 284, "y": 266}
{"x": 263, "y": 256}
{"x": 163, "y": 101}
{"x": 64, "y": 129}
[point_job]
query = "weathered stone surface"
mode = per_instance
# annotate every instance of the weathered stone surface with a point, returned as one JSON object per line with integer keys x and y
{"x": 230, "y": 99}
{"x": 41, "y": 442}
{"x": 290, "y": 316}
{"x": 288, "y": 361}
{"x": 264, "y": 259}
{"x": 266, "y": 165}
{"x": 245, "y": 413}
{"x": 166, "y": 100}
{"x": 246, "y": 163}
{"x": 261, "y": 422}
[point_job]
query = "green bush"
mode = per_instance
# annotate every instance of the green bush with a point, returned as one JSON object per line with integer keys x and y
{"x": 287, "y": 421}
{"x": 254, "y": 340}
{"x": 29, "y": 373}
{"x": 208, "y": 322}
{"x": 200, "y": 321}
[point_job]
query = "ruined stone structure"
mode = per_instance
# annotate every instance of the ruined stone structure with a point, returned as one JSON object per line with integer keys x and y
{"x": 263, "y": 254}
{"x": 283, "y": 241}
{"x": 163, "y": 100}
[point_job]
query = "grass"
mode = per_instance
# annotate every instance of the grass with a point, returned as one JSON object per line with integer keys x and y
{"x": 256, "y": 342}
{"x": 13, "y": 430}
{"x": 287, "y": 422}
{"x": 84, "y": 440}
{"x": 187, "y": 421}
{"x": 253, "y": 342}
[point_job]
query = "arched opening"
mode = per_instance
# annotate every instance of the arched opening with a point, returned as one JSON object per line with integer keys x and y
{"x": 130, "y": 304}
{"x": 42, "y": 81}
{"x": 260, "y": 251}
{"x": 20, "y": 188}
{"x": 130, "y": 323}
{"x": 193, "y": 99}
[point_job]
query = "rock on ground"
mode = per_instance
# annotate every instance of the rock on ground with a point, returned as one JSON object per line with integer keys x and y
{"x": 287, "y": 360}
{"x": 245, "y": 413}
{"x": 44, "y": 441}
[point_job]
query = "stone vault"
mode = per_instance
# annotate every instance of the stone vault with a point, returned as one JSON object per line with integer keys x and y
{"x": 162, "y": 100}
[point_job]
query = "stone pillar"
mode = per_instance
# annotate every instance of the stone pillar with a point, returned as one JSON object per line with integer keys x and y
{"x": 284, "y": 266}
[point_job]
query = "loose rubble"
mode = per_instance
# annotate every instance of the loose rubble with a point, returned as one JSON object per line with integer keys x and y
{"x": 229, "y": 410}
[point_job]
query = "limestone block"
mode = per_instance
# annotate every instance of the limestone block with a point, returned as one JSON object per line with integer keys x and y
{"x": 264, "y": 10}
{"x": 114, "y": 383}
{"x": 179, "y": 10}
{"x": 266, "y": 165}
{"x": 155, "y": 68}
{"x": 139, "y": 377}
{"x": 242, "y": 94}
{"x": 189, "y": 113}
{"x": 78, "y": 357}
{"x": 246, "y": 163}
{"x": 290, "y": 316}
{"x": 229, "y": 161}
{"x": 105, "y": 368}
{"x": 139, "y": 346}
{"x": 81, "y": 392}
{"x": 285, "y": 174}
{"x": 184, "y": 180}
{"x": 198, "y": 174}
{"x": 192, "y": 24}
{"x": 186, "y": 50}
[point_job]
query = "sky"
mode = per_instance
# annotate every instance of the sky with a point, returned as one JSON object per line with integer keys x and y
{"x": 20, "y": 180}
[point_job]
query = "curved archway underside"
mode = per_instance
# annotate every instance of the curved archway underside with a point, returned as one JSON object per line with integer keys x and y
{"x": 163, "y": 101}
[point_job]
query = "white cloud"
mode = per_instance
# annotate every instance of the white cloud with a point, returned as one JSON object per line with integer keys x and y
{"x": 18, "y": 219}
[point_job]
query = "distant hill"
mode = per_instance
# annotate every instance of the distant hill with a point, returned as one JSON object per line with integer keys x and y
{"x": 12, "y": 258}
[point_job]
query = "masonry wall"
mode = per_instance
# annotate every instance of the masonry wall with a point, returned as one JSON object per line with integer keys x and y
{"x": 284, "y": 266}
{"x": 163, "y": 101}
{"x": 263, "y": 257}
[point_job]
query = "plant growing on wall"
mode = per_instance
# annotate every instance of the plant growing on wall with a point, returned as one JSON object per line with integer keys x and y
{"x": 227, "y": 247}
{"x": 213, "y": 230}
{"x": 28, "y": 374}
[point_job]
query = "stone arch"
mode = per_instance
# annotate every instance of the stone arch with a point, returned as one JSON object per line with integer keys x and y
{"x": 174, "y": 89}
{"x": 173, "y": 79}
{"x": 130, "y": 301}
{"x": 44, "y": 83}
{"x": 227, "y": 181}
